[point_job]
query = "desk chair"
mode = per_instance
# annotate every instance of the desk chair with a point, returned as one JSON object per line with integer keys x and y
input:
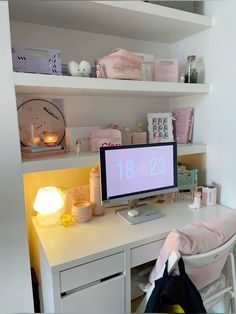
{"x": 199, "y": 260}
{"x": 203, "y": 259}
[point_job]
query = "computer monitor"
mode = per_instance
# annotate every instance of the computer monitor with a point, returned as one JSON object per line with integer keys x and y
{"x": 132, "y": 172}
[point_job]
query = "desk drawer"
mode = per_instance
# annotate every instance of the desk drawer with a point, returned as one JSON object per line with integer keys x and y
{"x": 146, "y": 253}
{"x": 104, "y": 297}
{"x": 91, "y": 272}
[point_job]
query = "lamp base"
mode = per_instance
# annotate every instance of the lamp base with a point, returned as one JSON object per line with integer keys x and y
{"x": 48, "y": 220}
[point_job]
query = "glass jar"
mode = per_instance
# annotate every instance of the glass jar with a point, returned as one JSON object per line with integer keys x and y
{"x": 192, "y": 70}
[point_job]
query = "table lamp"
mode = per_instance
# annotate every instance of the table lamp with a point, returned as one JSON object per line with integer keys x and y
{"x": 47, "y": 204}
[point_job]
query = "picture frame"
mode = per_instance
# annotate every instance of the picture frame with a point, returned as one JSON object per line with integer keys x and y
{"x": 160, "y": 127}
{"x": 44, "y": 113}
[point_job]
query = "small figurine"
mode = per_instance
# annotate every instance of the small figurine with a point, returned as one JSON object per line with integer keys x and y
{"x": 196, "y": 201}
{"x": 182, "y": 78}
{"x": 78, "y": 147}
{"x": 99, "y": 71}
{"x": 83, "y": 69}
{"x": 139, "y": 127}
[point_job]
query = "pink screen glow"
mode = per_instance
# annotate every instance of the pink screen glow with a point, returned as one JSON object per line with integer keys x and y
{"x": 135, "y": 169}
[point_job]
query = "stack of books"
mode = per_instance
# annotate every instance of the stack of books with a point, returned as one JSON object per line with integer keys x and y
{"x": 42, "y": 151}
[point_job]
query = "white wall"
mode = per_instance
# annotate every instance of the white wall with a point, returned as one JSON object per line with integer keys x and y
{"x": 15, "y": 281}
{"x": 78, "y": 45}
{"x": 215, "y": 122}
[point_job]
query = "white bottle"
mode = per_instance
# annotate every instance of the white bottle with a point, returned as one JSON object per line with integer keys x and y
{"x": 95, "y": 195}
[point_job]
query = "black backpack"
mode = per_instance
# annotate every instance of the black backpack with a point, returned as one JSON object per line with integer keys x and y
{"x": 176, "y": 294}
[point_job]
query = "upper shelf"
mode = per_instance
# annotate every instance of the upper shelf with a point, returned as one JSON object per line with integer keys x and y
{"x": 26, "y": 83}
{"x": 71, "y": 160}
{"x": 131, "y": 19}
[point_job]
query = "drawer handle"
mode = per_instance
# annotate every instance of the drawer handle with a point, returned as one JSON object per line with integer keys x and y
{"x": 90, "y": 284}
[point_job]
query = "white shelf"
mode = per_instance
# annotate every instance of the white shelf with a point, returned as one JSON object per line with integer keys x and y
{"x": 190, "y": 149}
{"x": 70, "y": 160}
{"x": 131, "y": 19}
{"x": 26, "y": 83}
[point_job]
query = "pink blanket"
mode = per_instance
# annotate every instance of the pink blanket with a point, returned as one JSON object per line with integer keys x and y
{"x": 196, "y": 238}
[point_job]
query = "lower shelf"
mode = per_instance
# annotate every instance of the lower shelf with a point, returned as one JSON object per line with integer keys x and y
{"x": 71, "y": 160}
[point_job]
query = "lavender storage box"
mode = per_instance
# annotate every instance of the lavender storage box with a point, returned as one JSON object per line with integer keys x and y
{"x": 36, "y": 60}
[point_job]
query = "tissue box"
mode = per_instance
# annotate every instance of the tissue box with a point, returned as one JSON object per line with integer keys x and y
{"x": 104, "y": 137}
{"x": 81, "y": 134}
{"x": 166, "y": 69}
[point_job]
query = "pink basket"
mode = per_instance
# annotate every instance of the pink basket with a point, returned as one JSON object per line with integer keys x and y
{"x": 166, "y": 69}
{"x": 122, "y": 64}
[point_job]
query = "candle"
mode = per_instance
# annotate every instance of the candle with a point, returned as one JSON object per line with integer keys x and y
{"x": 32, "y": 133}
{"x": 50, "y": 137}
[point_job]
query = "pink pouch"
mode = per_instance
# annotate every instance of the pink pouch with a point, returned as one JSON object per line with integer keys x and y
{"x": 104, "y": 137}
{"x": 122, "y": 64}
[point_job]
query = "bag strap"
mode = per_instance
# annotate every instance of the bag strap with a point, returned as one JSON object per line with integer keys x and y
{"x": 180, "y": 265}
{"x": 165, "y": 274}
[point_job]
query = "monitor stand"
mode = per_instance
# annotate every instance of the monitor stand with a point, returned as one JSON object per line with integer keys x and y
{"x": 147, "y": 212}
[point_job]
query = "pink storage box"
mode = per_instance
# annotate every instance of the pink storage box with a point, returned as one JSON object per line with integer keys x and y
{"x": 166, "y": 69}
{"x": 104, "y": 137}
{"x": 122, "y": 64}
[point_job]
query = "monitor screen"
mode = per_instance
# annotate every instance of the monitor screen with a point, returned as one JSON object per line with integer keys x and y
{"x": 137, "y": 171}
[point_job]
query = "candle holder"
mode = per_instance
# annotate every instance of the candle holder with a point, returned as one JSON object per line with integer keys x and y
{"x": 50, "y": 138}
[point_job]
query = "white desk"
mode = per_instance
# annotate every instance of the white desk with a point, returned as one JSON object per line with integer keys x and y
{"x": 76, "y": 258}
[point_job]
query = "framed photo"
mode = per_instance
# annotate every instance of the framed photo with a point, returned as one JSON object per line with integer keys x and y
{"x": 160, "y": 126}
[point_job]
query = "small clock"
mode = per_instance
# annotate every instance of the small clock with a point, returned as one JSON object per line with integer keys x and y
{"x": 44, "y": 115}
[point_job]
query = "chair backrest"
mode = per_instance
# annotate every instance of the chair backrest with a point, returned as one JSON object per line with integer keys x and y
{"x": 211, "y": 256}
{"x": 202, "y": 259}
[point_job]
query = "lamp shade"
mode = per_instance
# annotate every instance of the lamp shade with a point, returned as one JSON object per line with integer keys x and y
{"x": 48, "y": 200}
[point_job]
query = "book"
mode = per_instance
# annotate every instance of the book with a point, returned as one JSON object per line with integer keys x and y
{"x": 183, "y": 125}
{"x": 43, "y": 153}
{"x": 34, "y": 149}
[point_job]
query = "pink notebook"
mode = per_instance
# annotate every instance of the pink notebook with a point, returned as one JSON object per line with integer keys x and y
{"x": 183, "y": 125}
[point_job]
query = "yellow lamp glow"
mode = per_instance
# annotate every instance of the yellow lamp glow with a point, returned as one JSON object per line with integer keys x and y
{"x": 47, "y": 203}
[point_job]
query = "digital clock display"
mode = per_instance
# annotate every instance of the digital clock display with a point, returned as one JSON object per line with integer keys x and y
{"x": 135, "y": 169}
